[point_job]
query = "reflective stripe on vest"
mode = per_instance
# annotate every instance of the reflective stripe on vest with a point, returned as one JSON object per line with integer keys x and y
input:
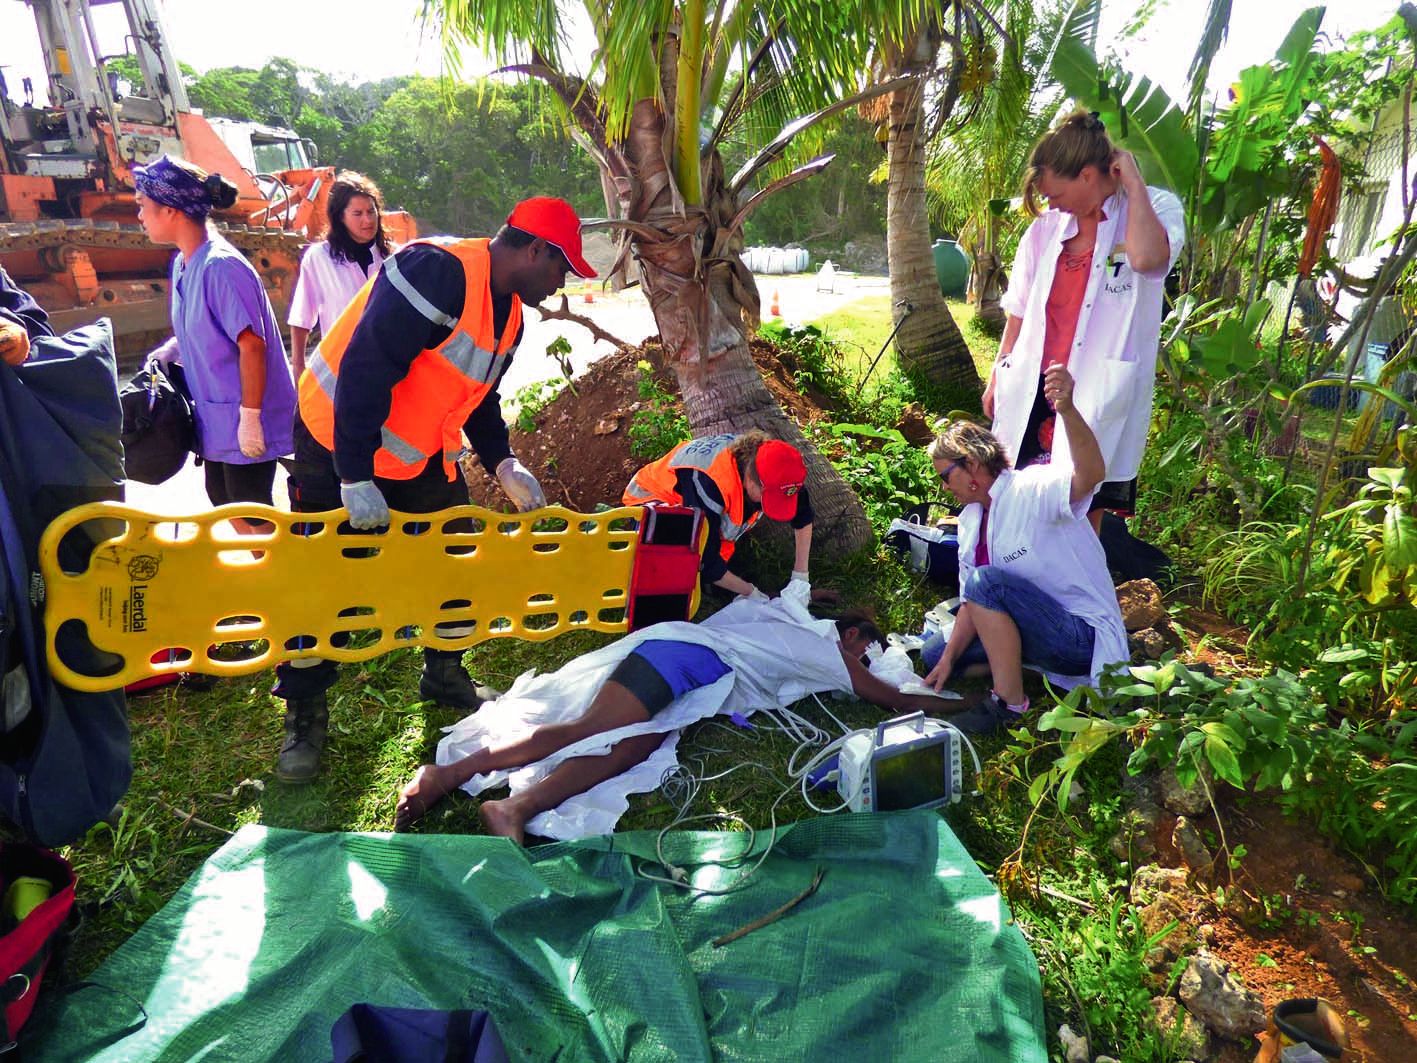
{"x": 710, "y": 457}
{"x": 443, "y": 386}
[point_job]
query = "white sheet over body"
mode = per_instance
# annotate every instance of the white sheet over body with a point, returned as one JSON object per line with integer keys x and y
{"x": 778, "y": 654}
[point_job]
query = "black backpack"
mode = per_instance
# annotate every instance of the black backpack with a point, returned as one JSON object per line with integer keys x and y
{"x": 159, "y": 430}
{"x": 65, "y": 759}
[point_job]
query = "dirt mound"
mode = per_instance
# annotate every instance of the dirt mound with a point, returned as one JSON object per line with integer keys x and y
{"x": 580, "y": 449}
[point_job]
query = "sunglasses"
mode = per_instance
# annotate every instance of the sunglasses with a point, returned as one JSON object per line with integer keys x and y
{"x": 958, "y": 463}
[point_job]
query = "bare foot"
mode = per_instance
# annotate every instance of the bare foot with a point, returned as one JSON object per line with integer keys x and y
{"x": 503, "y": 821}
{"x": 429, "y": 786}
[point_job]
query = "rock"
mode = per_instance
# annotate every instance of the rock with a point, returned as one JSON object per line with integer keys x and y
{"x": 1160, "y": 895}
{"x": 1186, "y": 1034}
{"x": 1151, "y": 881}
{"x": 1141, "y": 604}
{"x": 1205, "y": 934}
{"x": 1147, "y": 645}
{"x": 866, "y": 255}
{"x": 1135, "y": 840}
{"x": 1189, "y": 843}
{"x": 1186, "y": 800}
{"x": 1212, "y": 994}
{"x": 1166, "y": 909}
{"x": 1136, "y": 837}
{"x": 1106, "y": 1059}
{"x": 1142, "y": 787}
{"x": 1074, "y": 1045}
{"x": 607, "y": 426}
{"x": 915, "y": 425}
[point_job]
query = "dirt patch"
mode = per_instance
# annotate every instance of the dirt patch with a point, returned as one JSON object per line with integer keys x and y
{"x": 1302, "y": 920}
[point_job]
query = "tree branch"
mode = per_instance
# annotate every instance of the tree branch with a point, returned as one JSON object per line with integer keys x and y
{"x": 772, "y": 916}
{"x": 567, "y": 314}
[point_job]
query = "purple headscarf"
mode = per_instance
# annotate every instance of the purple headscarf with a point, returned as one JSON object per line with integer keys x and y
{"x": 165, "y": 182}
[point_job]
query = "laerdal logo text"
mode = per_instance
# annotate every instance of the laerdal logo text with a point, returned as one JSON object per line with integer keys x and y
{"x": 137, "y": 607}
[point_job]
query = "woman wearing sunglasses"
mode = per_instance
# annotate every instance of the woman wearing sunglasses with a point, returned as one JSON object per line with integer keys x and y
{"x": 1034, "y": 584}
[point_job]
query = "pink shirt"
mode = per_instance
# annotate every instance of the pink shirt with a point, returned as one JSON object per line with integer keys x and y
{"x": 1064, "y": 302}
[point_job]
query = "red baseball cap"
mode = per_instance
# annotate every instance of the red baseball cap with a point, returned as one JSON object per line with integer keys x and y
{"x": 556, "y": 222}
{"x": 783, "y": 473}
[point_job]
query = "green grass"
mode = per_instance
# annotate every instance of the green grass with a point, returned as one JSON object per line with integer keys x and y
{"x": 860, "y": 329}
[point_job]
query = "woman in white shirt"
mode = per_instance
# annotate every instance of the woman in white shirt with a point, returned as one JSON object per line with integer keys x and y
{"x": 1033, "y": 578}
{"x": 1085, "y": 292}
{"x": 333, "y": 271}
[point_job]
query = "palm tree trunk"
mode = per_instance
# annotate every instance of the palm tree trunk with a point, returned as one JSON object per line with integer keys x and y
{"x": 929, "y": 341}
{"x": 704, "y": 302}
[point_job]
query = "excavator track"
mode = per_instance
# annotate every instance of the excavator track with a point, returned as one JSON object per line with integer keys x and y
{"x": 81, "y": 232}
{"x": 132, "y": 290}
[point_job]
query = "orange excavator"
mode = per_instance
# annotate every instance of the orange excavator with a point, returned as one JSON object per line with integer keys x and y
{"x": 69, "y": 229}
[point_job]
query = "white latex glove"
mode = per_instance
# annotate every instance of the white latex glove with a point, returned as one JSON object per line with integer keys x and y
{"x": 249, "y": 435}
{"x": 366, "y": 505}
{"x": 520, "y": 485}
{"x": 756, "y": 595}
{"x": 798, "y": 589}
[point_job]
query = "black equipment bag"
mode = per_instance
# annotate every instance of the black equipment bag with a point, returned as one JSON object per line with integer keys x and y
{"x": 159, "y": 430}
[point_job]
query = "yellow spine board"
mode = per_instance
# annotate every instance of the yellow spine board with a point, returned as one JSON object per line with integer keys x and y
{"x": 190, "y": 584}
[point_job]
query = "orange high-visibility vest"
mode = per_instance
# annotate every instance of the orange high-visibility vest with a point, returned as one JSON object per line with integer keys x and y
{"x": 443, "y": 386}
{"x": 657, "y": 482}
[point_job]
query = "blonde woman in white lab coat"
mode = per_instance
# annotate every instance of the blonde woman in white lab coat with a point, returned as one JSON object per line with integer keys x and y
{"x": 1085, "y": 292}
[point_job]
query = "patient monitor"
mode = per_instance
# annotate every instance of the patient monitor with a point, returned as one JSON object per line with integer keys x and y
{"x": 910, "y": 762}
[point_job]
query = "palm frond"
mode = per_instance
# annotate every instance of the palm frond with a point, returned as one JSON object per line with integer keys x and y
{"x": 1217, "y": 27}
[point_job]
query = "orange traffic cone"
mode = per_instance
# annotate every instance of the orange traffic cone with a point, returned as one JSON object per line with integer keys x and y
{"x": 590, "y": 295}
{"x": 775, "y": 309}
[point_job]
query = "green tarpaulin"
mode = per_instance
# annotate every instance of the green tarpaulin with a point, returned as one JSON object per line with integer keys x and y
{"x": 903, "y": 953}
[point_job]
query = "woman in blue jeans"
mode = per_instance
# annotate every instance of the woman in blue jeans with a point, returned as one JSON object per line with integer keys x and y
{"x": 1034, "y": 584}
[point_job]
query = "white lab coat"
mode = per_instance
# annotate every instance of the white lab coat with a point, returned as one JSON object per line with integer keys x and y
{"x": 1113, "y": 358}
{"x": 1040, "y": 535}
{"x": 778, "y": 654}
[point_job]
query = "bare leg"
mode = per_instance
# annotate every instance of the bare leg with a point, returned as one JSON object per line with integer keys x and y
{"x": 999, "y": 634}
{"x": 613, "y": 706}
{"x": 508, "y": 817}
{"x": 243, "y": 526}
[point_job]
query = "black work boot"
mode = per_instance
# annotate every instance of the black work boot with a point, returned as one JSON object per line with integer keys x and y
{"x": 446, "y": 681}
{"x": 306, "y": 720}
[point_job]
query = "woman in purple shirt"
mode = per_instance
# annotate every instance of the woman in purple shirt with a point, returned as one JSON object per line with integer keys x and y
{"x": 224, "y": 333}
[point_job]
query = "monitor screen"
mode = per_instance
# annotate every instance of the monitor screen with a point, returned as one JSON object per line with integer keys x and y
{"x": 911, "y": 779}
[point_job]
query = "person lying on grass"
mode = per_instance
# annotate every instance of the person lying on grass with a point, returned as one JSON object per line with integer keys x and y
{"x": 748, "y": 656}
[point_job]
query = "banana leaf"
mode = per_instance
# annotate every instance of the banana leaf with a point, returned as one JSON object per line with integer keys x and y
{"x": 1139, "y": 115}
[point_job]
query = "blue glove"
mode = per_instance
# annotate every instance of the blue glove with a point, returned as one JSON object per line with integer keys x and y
{"x": 366, "y": 505}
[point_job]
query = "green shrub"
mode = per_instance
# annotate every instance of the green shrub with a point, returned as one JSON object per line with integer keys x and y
{"x": 532, "y": 399}
{"x": 659, "y": 424}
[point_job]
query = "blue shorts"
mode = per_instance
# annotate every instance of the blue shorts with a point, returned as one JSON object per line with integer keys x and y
{"x": 658, "y": 671}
